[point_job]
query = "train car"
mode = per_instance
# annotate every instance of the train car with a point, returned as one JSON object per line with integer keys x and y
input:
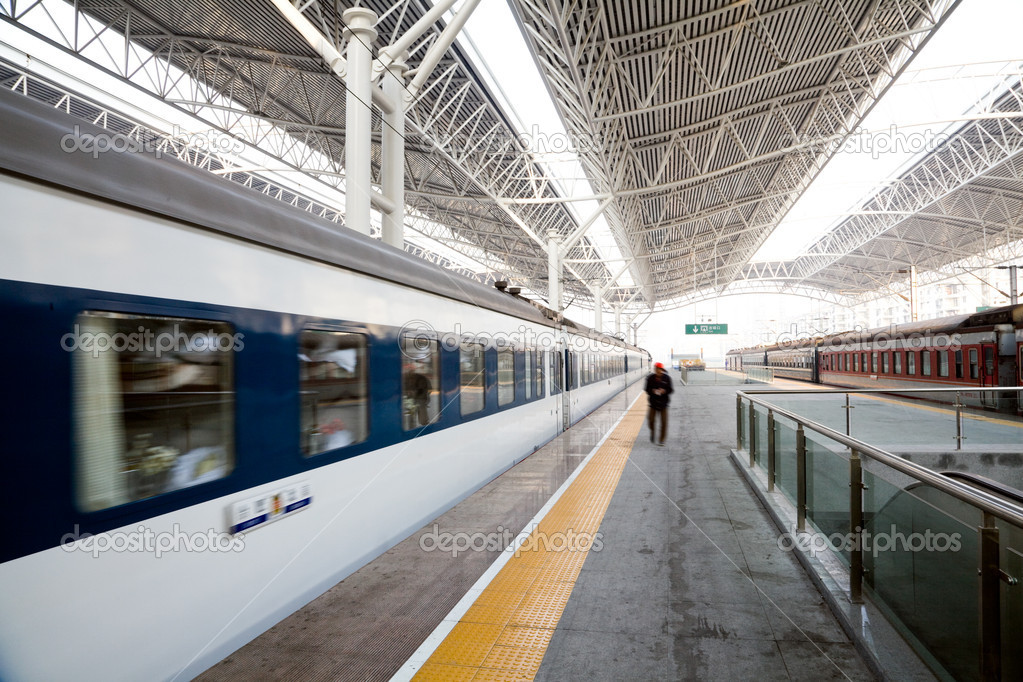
{"x": 693, "y": 364}
{"x": 977, "y": 350}
{"x": 219, "y": 406}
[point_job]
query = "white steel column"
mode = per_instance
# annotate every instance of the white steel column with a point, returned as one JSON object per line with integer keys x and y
{"x": 359, "y": 116}
{"x": 914, "y": 296}
{"x": 618, "y": 320}
{"x": 554, "y": 273}
{"x": 598, "y": 308}
{"x": 392, "y": 141}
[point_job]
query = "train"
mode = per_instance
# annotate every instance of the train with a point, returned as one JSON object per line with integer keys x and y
{"x": 218, "y": 405}
{"x": 693, "y": 364}
{"x": 960, "y": 352}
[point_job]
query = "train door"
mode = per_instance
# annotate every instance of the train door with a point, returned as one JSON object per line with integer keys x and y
{"x": 988, "y": 365}
{"x": 568, "y": 383}
{"x": 556, "y": 376}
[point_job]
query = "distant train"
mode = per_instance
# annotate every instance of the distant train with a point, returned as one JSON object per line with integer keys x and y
{"x": 976, "y": 350}
{"x": 693, "y": 364}
{"x": 218, "y": 406}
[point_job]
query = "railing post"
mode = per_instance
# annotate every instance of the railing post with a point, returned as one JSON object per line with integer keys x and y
{"x": 856, "y": 528}
{"x": 800, "y": 479}
{"x": 738, "y": 422}
{"x": 752, "y": 434}
{"x": 959, "y": 421}
{"x": 848, "y": 416}
{"x": 990, "y": 615}
{"x": 770, "y": 451}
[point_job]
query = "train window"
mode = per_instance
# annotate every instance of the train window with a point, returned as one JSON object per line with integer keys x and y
{"x": 333, "y": 390}
{"x": 528, "y": 364}
{"x": 539, "y": 373}
{"x": 856, "y": 362}
{"x": 959, "y": 364}
{"x": 989, "y": 362}
{"x": 473, "y": 374}
{"x": 884, "y": 363}
{"x": 557, "y": 372}
{"x": 153, "y": 405}
{"x": 863, "y": 361}
{"x": 974, "y": 365}
{"x": 911, "y": 362}
{"x": 942, "y": 363}
{"x": 897, "y": 361}
{"x": 873, "y": 362}
{"x": 505, "y": 376}
{"x": 420, "y": 381}
{"x": 925, "y": 363}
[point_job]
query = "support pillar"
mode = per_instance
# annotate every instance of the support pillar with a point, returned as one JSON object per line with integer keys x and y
{"x": 554, "y": 273}
{"x": 392, "y": 141}
{"x": 914, "y": 298}
{"x": 618, "y": 320}
{"x": 598, "y": 308}
{"x": 360, "y": 35}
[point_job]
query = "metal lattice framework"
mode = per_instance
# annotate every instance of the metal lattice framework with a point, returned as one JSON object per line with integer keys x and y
{"x": 960, "y": 202}
{"x": 709, "y": 122}
{"x": 698, "y": 131}
{"x": 244, "y": 70}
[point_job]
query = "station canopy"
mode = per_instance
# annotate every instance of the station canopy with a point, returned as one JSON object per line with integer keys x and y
{"x": 709, "y": 120}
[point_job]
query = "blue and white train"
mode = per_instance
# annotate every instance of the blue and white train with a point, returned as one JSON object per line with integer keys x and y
{"x": 217, "y": 406}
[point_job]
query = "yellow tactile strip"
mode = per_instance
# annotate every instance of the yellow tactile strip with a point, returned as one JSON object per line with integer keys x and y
{"x": 504, "y": 634}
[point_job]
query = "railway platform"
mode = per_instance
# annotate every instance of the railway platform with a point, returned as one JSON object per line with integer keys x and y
{"x": 637, "y": 562}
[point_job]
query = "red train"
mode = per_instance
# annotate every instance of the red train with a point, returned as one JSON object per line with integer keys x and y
{"x": 976, "y": 350}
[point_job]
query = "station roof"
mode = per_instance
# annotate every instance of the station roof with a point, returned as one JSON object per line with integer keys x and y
{"x": 711, "y": 119}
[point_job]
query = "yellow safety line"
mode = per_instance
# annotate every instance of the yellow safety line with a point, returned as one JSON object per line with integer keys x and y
{"x": 505, "y": 633}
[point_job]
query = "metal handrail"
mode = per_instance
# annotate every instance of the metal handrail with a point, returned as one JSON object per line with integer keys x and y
{"x": 983, "y": 501}
{"x": 958, "y": 389}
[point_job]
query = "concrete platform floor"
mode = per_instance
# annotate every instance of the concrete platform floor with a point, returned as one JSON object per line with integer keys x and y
{"x": 689, "y": 584}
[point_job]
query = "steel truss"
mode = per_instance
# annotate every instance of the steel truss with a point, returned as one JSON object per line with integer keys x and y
{"x": 964, "y": 199}
{"x": 241, "y": 69}
{"x": 710, "y": 126}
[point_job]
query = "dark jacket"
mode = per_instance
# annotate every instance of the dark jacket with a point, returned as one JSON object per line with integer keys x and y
{"x": 658, "y": 402}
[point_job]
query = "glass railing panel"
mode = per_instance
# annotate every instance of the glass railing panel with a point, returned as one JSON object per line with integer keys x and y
{"x": 827, "y": 490}
{"x": 761, "y": 436}
{"x": 1010, "y": 539}
{"x": 742, "y": 424}
{"x": 921, "y": 558}
{"x": 826, "y": 409}
{"x": 785, "y": 467}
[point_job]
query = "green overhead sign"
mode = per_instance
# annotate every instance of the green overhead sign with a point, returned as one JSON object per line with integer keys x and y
{"x": 706, "y": 329}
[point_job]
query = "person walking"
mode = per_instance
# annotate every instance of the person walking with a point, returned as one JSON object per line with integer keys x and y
{"x": 658, "y": 390}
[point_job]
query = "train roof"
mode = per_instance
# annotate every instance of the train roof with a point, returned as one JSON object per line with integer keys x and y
{"x": 32, "y": 147}
{"x": 942, "y": 325}
{"x": 986, "y": 319}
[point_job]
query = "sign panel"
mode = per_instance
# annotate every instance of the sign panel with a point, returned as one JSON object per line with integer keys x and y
{"x": 259, "y": 511}
{"x": 706, "y": 329}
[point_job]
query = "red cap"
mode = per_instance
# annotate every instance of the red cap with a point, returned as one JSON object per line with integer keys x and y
{"x": 658, "y": 365}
